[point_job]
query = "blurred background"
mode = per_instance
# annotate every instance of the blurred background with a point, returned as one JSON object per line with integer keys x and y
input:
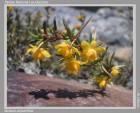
{"x": 114, "y": 26}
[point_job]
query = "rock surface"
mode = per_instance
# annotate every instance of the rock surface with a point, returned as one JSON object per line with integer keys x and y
{"x": 114, "y": 25}
{"x": 27, "y": 90}
{"x": 124, "y": 54}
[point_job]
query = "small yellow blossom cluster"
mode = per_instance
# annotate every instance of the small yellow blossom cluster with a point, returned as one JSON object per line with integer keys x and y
{"x": 75, "y": 52}
{"x": 67, "y": 51}
{"x": 89, "y": 52}
{"x": 104, "y": 80}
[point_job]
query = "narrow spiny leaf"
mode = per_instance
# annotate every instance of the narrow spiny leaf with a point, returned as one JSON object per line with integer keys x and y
{"x": 77, "y": 35}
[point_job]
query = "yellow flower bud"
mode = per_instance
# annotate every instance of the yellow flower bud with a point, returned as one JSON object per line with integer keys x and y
{"x": 77, "y": 26}
{"x": 103, "y": 84}
{"x": 64, "y": 32}
{"x": 102, "y": 81}
{"x": 10, "y": 8}
{"x": 80, "y": 17}
{"x": 115, "y": 71}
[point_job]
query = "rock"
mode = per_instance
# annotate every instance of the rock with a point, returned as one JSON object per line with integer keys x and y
{"x": 25, "y": 90}
{"x": 105, "y": 12}
{"x": 49, "y": 75}
{"x": 130, "y": 83}
{"x": 30, "y": 68}
{"x": 115, "y": 29}
{"x": 124, "y": 54}
{"x": 114, "y": 24}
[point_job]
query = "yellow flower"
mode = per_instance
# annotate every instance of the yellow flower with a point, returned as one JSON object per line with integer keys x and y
{"x": 103, "y": 84}
{"x": 102, "y": 81}
{"x": 38, "y": 53}
{"x": 64, "y": 32}
{"x": 10, "y": 8}
{"x": 90, "y": 51}
{"x": 77, "y": 26}
{"x": 66, "y": 50}
{"x": 115, "y": 71}
{"x": 80, "y": 17}
{"x": 73, "y": 65}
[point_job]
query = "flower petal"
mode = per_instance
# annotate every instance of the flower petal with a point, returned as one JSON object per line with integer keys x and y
{"x": 85, "y": 45}
{"x": 38, "y": 55}
{"x": 103, "y": 84}
{"x": 93, "y": 44}
{"x": 63, "y": 44}
{"x": 115, "y": 71}
{"x": 46, "y": 53}
{"x": 100, "y": 49}
{"x": 76, "y": 50}
{"x": 91, "y": 54}
{"x": 59, "y": 51}
{"x": 28, "y": 51}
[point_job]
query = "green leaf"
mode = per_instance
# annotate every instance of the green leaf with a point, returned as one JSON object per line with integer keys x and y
{"x": 35, "y": 31}
{"x": 40, "y": 36}
{"x": 67, "y": 28}
{"x": 94, "y": 62}
{"x": 50, "y": 31}
{"x": 111, "y": 59}
{"x": 104, "y": 53}
{"x": 90, "y": 38}
{"x": 65, "y": 37}
{"x": 33, "y": 35}
{"x": 73, "y": 31}
{"x": 39, "y": 30}
{"x": 103, "y": 68}
{"x": 38, "y": 42}
{"x": 121, "y": 66}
